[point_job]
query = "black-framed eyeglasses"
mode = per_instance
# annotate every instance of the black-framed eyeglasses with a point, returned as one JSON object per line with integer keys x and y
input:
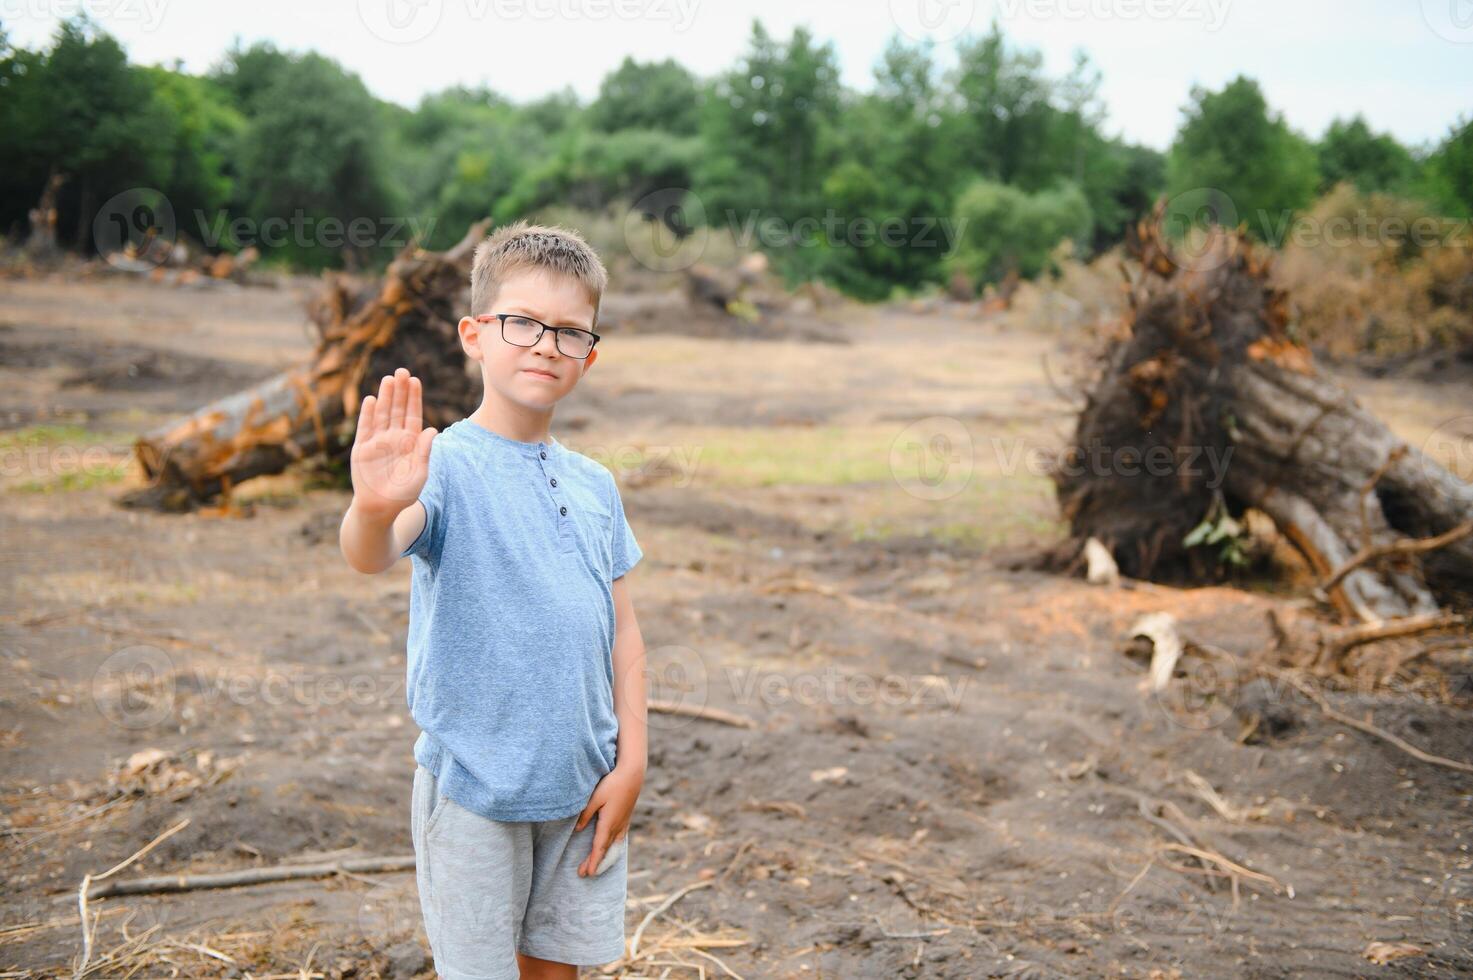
{"x": 523, "y": 331}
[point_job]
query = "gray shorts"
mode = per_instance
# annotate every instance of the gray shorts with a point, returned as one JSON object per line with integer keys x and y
{"x": 489, "y": 888}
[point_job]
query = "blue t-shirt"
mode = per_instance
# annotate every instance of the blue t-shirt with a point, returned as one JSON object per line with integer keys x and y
{"x": 511, "y": 623}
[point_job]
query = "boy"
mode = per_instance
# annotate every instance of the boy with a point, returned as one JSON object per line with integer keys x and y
{"x": 525, "y": 661}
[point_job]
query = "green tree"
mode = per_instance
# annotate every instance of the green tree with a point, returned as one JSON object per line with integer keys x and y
{"x": 1449, "y": 171}
{"x": 1350, "y": 151}
{"x": 80, "y": 110}
{"x": 591, "y": 170}
{"x": 312, "y": 156}
{"x": 1080, "y": 153}
{"x": 1004, "y": 229}
{"x": 899, "y": 163}
{"x": 658, "y": 96}
{"x": 248, "y": 74}
{"x": 766, "y": 130}
{"x": 206, "y": 135}
{"x": 1007, "y": 122}
{"x": 1140, "y": 179}
{"x": 23, "y": 165}
{"x": 1236, "y": 161}
{"x": 459, "y": 154}
{"x": 556, "y": 113}
{"x": 1018, "y": 126}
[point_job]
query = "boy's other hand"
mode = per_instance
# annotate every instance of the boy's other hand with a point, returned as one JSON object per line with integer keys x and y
{"x": 613, "y": 803}
{"x": 391, "y": 450}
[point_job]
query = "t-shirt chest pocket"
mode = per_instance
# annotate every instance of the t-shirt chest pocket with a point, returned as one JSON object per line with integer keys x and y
{"x": 593, "y": 525}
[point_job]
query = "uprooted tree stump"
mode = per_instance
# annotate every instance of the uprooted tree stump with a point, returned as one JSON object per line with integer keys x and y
{"x": 1207, "y": 383}
{"x": 408, "y": 320}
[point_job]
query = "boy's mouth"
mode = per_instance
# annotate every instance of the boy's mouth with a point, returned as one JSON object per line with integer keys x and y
{"x": 537, "y": 373}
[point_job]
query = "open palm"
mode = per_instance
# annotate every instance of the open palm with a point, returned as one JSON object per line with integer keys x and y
{"x": 391, "y": 450}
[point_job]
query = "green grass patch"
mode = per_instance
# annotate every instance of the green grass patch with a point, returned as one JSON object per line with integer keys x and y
{"x": 59, "y": 458}
{"x": 86, "y": 478}
{"x": 53, "y": 435}
{"x": 757, "y": 457}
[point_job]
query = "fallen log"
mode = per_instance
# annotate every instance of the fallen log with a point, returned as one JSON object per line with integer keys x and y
{"x": 1207, "y": 383}
{"x": 42, "y": 239}
{"x": 409, "y": 320}
{"x": 159, "y": 884}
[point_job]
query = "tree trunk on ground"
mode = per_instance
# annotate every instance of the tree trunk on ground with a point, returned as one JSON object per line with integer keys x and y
{"x": 1207, "y": 383}
{"x": 42, "y": 239}
{"x": 407, "y": 321}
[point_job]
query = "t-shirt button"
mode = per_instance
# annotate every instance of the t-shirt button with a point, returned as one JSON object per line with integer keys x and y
{"x": 543, "y": 455}
{"x": 563, "y": 511}
{"x": 553, "y": 481}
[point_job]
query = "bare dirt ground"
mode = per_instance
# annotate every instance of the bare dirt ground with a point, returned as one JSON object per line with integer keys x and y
{"x": 953, "y": 771}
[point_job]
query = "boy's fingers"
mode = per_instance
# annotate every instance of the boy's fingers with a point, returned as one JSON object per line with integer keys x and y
{"x": 422, "y": 447}
{"x": 414, "y": 411}
{"x": 365, "y": 419}
{"x": 381, "y": 404}
{"x": 401, "y": 399}
{"x": 600, "y": 847}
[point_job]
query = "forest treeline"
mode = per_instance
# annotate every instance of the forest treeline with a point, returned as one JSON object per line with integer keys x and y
{"x": 933, "y": 175}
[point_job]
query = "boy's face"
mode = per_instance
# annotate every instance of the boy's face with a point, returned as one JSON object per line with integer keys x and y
{"x": 519, "y": 374}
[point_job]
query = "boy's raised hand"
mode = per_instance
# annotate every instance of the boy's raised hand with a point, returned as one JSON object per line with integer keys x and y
{"x": 391, "y": 450}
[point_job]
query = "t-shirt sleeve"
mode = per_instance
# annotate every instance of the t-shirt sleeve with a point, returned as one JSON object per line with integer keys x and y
{"x": 432, "y": 535}
{"x": 626, "y": 550}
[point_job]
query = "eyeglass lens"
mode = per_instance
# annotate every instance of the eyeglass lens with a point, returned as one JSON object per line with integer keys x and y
{"x": 523, "y": 332}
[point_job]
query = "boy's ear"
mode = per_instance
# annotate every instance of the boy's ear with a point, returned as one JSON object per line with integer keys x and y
{"x": 588, "y": 361}
{"x": 470, "y": 337}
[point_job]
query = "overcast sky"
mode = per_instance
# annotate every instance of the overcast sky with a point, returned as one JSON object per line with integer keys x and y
{"x": 1406, "y": 65}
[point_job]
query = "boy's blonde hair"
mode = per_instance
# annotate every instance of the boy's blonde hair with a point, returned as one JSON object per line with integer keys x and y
{"x": 549, "y": 248}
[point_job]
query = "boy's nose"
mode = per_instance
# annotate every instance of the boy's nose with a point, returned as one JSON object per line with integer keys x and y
{"x": 547, "y": 343}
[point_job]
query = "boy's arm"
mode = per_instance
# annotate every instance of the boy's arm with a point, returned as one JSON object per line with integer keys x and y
{"x": 614, "y": 797}
{"x": 629, "y": 684}
{"x": 372, "y": 543}
{"x": 390, "y": 464}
